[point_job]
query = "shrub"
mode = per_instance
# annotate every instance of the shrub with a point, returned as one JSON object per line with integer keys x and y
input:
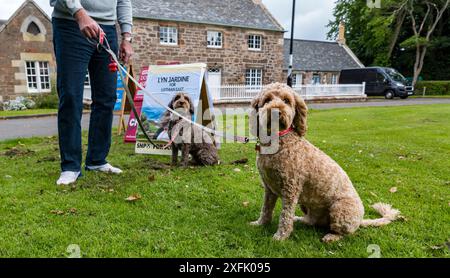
{"x": 433, "y": 87}
{"x": 47, "y": 101}
{"x": 20, "y": 103}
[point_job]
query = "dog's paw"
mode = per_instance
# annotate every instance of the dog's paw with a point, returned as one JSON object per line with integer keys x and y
{"x": 256, "y": 223}
{"x": 330, "y": 238}
{"x": 280, "y": 237}
{"x": 302, "y": 220}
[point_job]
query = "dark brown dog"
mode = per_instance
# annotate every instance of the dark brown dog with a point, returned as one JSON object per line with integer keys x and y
{"x": 188, "y": 138}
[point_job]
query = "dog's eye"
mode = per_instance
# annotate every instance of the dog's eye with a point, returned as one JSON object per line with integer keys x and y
{"x": 267, "y": 100}
{"x": 177, "y": 98}
{"x": 287, "y": 101}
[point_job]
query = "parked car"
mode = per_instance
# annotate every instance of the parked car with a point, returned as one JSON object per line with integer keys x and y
{"x": 380, "y": 81}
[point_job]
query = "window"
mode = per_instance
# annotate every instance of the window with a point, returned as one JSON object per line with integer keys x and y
{"x": 38, "y": 76}
{"x": 253, "y": 78}
{"x": 316, "y": 79}
{"x": 33, "y": 28}
{"x": 297, "y": 79}
{"x": 254, "y": 42}
{"x": 168, "y": 35}
{"x": 380, "y": 78}
{"x": 215, "y": 39}
{"x": 334, "y": 79}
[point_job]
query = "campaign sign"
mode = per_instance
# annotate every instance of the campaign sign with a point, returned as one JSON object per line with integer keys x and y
{"x": 118, "y": 105}
{"x": 119, "y": 92}
{"x": 163, "y": 84}
{"x": 130, "y": 135}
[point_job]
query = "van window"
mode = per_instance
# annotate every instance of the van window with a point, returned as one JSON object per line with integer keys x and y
{"x": 395, "y": 75}
{"x": 380, "y": 78}
{"x": 371, "y": 76}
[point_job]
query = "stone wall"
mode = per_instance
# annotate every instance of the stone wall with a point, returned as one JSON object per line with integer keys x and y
{"x": 233, "y": 58}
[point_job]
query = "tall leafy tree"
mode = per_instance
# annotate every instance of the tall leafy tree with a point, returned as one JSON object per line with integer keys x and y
{"x": 385, "y": 37}
{"x": 372, "y": 33}
{"x": 425, "y": 17}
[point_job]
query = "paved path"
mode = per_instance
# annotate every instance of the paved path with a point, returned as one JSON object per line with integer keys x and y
{"x": 10, "y": 129}
{"x": 35, "y": 127}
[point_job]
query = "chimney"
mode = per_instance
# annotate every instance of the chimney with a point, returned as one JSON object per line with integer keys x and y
{"x": 341, "y": 37}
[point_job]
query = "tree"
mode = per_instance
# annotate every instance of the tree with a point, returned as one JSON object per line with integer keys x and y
{"x": 385, "y": 37}
{"x": 423, "y": 26}
{"x": 370, "y": 29}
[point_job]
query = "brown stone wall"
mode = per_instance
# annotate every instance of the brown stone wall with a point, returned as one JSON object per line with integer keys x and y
{"x": 14, "y": 43}
{"x": 233, "y": 58}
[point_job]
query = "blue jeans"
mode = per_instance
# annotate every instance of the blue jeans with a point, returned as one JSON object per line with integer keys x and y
{"x": 74, "y": 57}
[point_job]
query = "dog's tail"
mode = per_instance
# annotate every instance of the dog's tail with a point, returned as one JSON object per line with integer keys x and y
{"x": 388, "y": 214}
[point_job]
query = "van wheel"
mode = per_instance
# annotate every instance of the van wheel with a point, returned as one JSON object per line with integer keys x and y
{"x": 389, "y": 94}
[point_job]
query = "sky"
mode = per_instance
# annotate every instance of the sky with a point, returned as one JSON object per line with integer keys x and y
{"x": 311, "y": 16}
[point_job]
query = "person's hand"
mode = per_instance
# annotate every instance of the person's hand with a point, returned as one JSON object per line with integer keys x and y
{"x": 88, "y": 26}
{"x": 126, "y": 51}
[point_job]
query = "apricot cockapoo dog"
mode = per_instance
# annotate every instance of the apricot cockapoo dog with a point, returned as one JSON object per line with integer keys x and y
{"x": 301, "y": 174}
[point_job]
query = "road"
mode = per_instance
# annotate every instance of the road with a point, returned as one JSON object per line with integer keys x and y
{"x": 24, "y": 128}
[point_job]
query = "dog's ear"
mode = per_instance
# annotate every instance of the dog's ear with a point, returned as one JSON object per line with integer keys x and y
{"x": 171, "y": 102}
{"x": 191, "y": 105}
{"x": 301, "y": 116}
{"x": 255, "y": 102}
{"x": 253, "y": 116}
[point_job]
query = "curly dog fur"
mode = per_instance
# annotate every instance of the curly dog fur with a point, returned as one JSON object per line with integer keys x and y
{"x": 301, "y": 174}
{"x": 188, "y": 138}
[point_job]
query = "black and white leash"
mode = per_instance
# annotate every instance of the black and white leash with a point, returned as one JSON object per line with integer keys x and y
{"x": 105, "y": 46}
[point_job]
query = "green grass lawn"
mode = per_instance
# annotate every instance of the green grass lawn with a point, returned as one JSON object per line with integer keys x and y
{"x": 204, "y": 212}
{"x": 26, "y": 112}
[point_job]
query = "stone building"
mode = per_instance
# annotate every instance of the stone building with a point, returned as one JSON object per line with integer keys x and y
{"x": 27, "y": 63}
{"x": 239, "y": 40}
{"x": 320, "y": 62}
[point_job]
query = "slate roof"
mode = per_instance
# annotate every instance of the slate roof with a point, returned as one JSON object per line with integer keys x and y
{"x": 319, "y": 56}
{"x": 237, "y": 13}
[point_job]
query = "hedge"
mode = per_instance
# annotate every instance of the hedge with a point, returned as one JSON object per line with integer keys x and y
{"x": 433, "y": 87}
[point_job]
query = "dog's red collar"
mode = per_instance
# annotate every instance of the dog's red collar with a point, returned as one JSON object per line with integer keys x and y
{"x": 285, "y": 132}
{"x": 280, "y": 134}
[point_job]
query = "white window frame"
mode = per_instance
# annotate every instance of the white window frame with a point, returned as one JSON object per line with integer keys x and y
{"x": 253, "y": 78}
{"x": 252, "y": 42}
{"x": 40, "y": 70}
{"x": 214, "y": 39}
{"x": 297, "y": 81}
{"x": 168, "y": 35}
{"x": 334, "y": 79}
{"x": 316, "y": 77}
